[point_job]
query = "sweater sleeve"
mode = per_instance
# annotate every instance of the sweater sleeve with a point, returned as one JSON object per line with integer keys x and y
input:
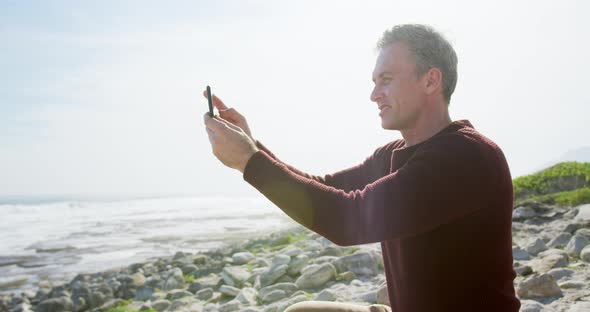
{"x": 353, "y": 178}
{"x": 441, "y": 182}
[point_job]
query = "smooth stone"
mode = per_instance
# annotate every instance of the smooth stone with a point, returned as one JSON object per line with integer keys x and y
{"x": 316, "y": 277}
{"x": 361, "y": 263}
{"x": 289, "y": 288}
{"x": 346, "y": 276}
{"x": 538, "y": 286}
{"x": 560, "y": 273}
{"x": 144, "y": 293}
{"x": 274, "y": 295}
{"x": 531, "y": 306}
{"x": 585, "y": 254}
{"x": 552, "y": 261}
{"x": 235, "y": 275}
{"x": 560, "y": 240}
{"x": 285, "y": 279}
{"x": 536, "y": 246}
{"x": 161, "y": 305}
{"x": 204, "y": 294}
{"x": 280, "y": 260}
{"x": 292, "y": 251}
{"x": 110, "y": 304}
{"x": 230, "y": 306}
{"x": 332, "y": 251}
{"x": 326, "y": 295}
{"x": 261, "y": 262}
{"x": 580, "y": 307}
{"x": 576, "y": 244}
{"x": 229, "y": 290}
{"x": 173, "y": 280}
{"x": 521, "y": 213}
{"x": 369, "y": 296}
{"x": 519, "y": 253}
{"x": 325, "y": 259}
{"x": 177, "y": 294}
{"x": 242, "y": 257}
{"x": 21, "y": 307}
{"x": 247, "y": 296}
{"x": 189, "y": 269}
{"x": 55, "y": 305}
{"x": 573, "y": 284}
{"x": 182, "y": 303}
{"x": 273, "y": 274}
{"x": 297, "y": 264}
{"x": 583, "y": 212}
{"x": 209, "y": 281}
{"x": 523, "y": 270}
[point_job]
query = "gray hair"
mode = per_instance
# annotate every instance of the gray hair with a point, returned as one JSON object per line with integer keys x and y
{"x": 429, "y": 48}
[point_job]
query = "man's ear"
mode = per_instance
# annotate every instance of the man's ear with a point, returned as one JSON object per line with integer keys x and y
{"x": 432, "y": 81}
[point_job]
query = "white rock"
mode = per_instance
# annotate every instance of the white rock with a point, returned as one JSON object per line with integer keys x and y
{"x": 521, "y": 213}
{"x": 316, "y": 277}
{"x": 360, "y": 263}
{"x": 576, "y": 244}
{"x": 536, "y": 246}
{"x": 274, "y": 295}
{"x": 560, "y": 240}
{"x": 242, "y": 257}
{"x": 326, "y": 295}
{"x": 580, "y": 307}
{"x": 537, "y": 286}
{"x": 247, "y": 296}
{"x": 583, "y": 212}
{"x": 519, "y": 253}
{"x": 531, "y": 306}
{"x": 229, "y": 290}
{"x": 585, "y": 254}
{"x": 560, "y": 273}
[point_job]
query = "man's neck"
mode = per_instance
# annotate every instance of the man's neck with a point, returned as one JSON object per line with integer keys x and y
{"x": 426, "y": 126}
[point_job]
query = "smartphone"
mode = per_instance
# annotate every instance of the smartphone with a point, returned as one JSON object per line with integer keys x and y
{"x": 210, "y": 101}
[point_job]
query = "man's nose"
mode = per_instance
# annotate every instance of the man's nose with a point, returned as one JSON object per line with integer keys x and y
{"x": 374, "y": 95}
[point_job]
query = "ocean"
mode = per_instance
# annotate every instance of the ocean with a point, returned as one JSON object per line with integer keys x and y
{"x": 50, "y": 242}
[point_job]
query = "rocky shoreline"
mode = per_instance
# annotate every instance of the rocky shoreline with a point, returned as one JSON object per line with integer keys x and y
{"x": 551, "y": 249}
{"x": 262, "y": 274}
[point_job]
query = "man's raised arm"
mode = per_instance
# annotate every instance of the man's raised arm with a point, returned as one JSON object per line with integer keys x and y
{"x": 399, "y": 204}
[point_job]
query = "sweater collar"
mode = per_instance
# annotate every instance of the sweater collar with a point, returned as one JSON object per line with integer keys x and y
{"x": 452, "y": 127}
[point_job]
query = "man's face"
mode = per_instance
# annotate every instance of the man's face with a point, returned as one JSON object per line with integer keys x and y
{"x": 397, "y": 89}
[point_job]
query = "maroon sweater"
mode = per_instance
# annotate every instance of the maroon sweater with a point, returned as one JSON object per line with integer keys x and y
{"x": 441, "y": 209}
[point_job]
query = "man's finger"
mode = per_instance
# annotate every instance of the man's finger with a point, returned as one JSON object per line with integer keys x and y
{"x": 217, "y": 102}
{"x": 211, "y": 135}
{"x": 230, "y": 125}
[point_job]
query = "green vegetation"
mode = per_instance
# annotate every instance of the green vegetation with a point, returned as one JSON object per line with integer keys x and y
{"x": 350, "y": 251}
{"x": 293, "y": 238}
{"x": 308, "y": 295}
{"x": 564, "y": 184}
{"x": 188, "y": 278}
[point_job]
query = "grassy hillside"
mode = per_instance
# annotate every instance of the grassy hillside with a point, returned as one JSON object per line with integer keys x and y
{"x": 564, "y": 184}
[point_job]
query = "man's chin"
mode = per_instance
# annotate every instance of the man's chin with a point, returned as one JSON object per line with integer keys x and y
{"x": 388, "y": 126}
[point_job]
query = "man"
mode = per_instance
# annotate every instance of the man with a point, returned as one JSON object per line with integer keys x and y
{"x": 439, "y": 200}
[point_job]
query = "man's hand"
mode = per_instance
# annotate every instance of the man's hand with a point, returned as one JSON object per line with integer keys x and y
{"x": 230, "y": 114}
{"x": 230, "y": 144}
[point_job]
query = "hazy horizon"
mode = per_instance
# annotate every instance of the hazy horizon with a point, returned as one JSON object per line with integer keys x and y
{"x": 104, "y": 99}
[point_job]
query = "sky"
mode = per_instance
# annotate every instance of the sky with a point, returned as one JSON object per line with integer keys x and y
{"x": 104, "y": 98}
